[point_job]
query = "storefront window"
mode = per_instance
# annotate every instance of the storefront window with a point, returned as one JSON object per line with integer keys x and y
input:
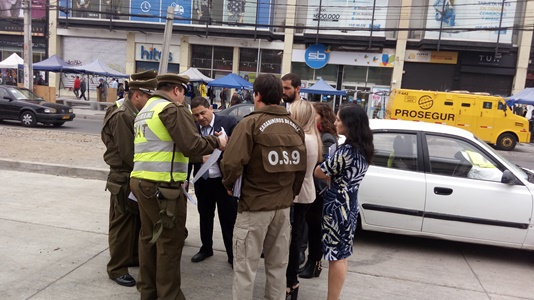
{"x": 212, "y": 61}
{"x": 248, "y": 60}
{"x": 223, "y": 58}
{"x": 201, "y": 56}
{"x": 354, "y": 74}
{"x": 328, "y": 73}
{"x": 271, "y": 61}
{"x": 305, "y": 72}
{"x": 380, "y": 76}
{"x": 141, "y": 66}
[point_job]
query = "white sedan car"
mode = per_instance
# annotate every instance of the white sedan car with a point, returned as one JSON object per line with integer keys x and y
{"x": 442, "y": 182}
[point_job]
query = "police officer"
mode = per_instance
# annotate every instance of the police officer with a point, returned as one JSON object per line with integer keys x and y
{"x": 267, "y": 148}
{"x": 118, "y": 136}
{"x": 165, "y": 135}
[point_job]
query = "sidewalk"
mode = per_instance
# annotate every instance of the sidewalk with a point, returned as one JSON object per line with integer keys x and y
{"x": 54, "y": 246}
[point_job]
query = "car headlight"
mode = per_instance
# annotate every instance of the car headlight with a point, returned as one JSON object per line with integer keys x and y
{"x": 50, "y": 110}
{"x": 71, "y": 111}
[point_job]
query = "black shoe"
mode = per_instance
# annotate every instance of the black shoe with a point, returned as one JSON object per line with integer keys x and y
{"x": 125, "y": 280}
{"x": 292, "y": 293}
{"x": 200, "y": 256}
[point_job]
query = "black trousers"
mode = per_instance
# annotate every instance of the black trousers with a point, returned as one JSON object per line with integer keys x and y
{"x": 314, "y": 219}
{"x": 298, "y": 218}
{"x": 211, "y": 194}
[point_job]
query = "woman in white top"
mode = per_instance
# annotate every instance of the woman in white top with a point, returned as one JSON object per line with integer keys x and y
{"x": 304, "y": 113}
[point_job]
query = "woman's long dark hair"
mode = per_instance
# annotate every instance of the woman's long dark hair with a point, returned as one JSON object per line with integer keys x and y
{"x": 359, "y": 134}
{"x": 327, "y": 118}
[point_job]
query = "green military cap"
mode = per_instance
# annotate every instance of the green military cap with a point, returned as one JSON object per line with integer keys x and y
{"x": 145, "y": 82}
{"x": 174, "y": 78}
{"x": 146, "y": 75}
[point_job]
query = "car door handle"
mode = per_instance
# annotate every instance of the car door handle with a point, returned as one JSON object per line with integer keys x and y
{"x": 442, "y": 191}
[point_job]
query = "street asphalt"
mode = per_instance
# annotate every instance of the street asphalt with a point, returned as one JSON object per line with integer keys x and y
{"x": 54, "y": 245}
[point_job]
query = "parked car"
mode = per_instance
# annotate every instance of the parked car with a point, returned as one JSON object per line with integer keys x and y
{"x": 443, "y": 182}
{"x": 22, "y": 104}
{"x": 238, "y": 111}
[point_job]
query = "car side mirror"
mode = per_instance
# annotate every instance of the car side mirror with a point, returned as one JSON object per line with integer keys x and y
{"x": 8, "y": 98}
{"x": 509, "y": 178}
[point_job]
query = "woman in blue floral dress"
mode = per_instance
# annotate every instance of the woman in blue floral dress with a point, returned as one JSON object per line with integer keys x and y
{"x": 345, "y": 170}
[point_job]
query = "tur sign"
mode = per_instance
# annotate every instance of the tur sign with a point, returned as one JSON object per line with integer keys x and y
{"x": 316, "y": 56}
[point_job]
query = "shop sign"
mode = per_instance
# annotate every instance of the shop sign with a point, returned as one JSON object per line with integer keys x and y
{"x": 471, "y": 20}
{"x": 489, "y": 59}
{"x": 351, "y": 17}
{"x": 316, "y": 56}
{"x": 367, "y": 59}
{"x": 149, "y": 52}
{"x": 435, "y": 57}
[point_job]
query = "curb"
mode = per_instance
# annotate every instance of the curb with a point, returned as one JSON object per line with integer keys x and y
{"x": 89, "y": 117}
{"x": 51, "y": 169}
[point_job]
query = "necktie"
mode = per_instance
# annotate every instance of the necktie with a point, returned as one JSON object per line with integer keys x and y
{"x": 206, "y": 132}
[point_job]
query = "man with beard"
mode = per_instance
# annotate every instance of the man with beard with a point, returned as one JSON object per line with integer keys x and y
{"x": 291, "y": 89}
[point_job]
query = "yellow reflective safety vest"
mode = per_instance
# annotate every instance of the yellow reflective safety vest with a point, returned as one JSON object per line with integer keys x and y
{"x": 155, "y": 155}
{"x": 119, "y": 102}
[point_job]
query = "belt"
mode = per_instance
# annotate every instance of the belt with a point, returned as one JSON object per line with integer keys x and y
{"x": 176, "y": 184}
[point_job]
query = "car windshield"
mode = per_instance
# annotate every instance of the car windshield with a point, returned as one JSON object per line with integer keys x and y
{"x": 512, "y": 166}
{"x": 24, "y": 94}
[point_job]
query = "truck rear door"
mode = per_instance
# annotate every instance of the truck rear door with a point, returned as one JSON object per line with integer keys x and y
{"x": 487, "y": 109}
{"x": 465, "y": 118}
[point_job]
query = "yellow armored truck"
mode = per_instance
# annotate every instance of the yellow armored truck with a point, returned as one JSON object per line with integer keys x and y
{"x": 486, "y": 116}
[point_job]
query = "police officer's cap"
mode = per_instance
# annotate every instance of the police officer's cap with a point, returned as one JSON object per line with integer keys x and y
{"x": 174, "y": 78}
{"x": 146, "y": 75}
{"x": 145, "y": 82}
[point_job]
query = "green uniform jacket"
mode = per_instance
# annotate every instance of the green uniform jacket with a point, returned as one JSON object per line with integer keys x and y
{"x": 118, "y": 136}
{"x": 267, "y": 147}
{"x": 181, "y": 126}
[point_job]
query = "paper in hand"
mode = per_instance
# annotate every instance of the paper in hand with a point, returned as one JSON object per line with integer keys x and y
{"x": 205, "y": 167}
{"x": 237, "y": 187}
{"x": 188, "y": 196}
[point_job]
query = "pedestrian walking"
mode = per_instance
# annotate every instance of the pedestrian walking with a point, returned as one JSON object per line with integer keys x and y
{"x": 83, "y": 88}
{"x": 76, "y": 86}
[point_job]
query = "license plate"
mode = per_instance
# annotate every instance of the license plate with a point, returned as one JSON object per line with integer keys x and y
{"x": 66, "y": 117}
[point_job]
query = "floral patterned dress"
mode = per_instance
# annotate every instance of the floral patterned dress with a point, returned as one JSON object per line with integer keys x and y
{"x": 346, "y": 168}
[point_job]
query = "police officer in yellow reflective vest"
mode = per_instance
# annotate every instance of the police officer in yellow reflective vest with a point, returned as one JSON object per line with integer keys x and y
{"x": 118, "y": 136}
{"x": 165, "y": 135}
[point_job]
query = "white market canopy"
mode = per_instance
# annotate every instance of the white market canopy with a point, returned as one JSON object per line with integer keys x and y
{"x": 96, "y": 67}
{"x": 196, "y": 76}
{"x": 12, "y": 62}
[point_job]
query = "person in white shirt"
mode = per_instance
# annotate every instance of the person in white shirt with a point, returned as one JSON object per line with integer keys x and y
{"x": 114, "y": 83}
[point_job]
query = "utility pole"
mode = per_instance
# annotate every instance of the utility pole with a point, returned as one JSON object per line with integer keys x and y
{"x": 167, "y": 34}
{"x": 28, "y": 56}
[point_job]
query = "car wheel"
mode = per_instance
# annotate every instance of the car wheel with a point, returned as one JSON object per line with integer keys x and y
{"x": 506, "y": 141}
{"x": 28, "y": 119}
{"x": 58, "y": 124}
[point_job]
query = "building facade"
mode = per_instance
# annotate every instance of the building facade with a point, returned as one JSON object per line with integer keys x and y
{"x": 372, "y": 46}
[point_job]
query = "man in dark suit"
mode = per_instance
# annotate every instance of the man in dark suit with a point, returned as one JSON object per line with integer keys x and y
{"x": 209, "y": 189}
